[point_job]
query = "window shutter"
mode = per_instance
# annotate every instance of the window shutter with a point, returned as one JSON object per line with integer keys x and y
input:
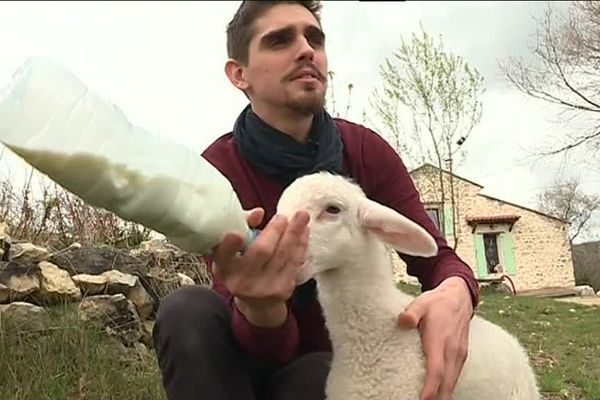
{"x": 448, "y": 222}
{"x": 510, "y": 267}
{"x": 482, "y": 271}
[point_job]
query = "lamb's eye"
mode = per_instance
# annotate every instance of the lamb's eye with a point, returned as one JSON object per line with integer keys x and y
{"x": 333, "y": 209}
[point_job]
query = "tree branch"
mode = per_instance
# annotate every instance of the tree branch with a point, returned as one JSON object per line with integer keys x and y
{"x": 578, "y": 142}
{"x": 568, "y": 85}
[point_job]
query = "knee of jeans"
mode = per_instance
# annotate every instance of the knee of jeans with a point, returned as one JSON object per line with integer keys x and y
{"x": 191, "y": 306}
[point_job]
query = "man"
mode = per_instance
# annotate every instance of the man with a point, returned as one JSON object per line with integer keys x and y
{"x": 254, "y": 335}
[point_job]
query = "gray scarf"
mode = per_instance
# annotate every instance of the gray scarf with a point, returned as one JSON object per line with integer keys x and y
{"x": 281, "y": 156}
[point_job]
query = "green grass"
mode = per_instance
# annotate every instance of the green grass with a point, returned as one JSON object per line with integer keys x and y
{"x": 69, "y": 361}
{"x": 562, "y": 339}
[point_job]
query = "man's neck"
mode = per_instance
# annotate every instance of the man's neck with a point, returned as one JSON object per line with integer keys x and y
{"x": 289, "y": 122}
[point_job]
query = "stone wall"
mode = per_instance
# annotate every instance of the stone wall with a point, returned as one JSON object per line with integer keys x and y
{"x": 541, "y": 245}
{"x": 115, "y": 290}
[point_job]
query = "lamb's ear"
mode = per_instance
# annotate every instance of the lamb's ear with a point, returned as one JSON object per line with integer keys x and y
{"x": 396, "y": 230}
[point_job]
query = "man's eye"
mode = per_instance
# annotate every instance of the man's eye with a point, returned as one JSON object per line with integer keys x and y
{"x": 316, "y": 39}
{"x": 280, "y": 40}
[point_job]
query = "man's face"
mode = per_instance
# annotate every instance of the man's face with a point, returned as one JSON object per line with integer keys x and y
{"x": 287, "y": 64}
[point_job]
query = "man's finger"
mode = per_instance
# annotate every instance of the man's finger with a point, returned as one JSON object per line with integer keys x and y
{"x": 455, "y": 357}
{"x": 294, "y": 241}
{"x": 261, "y": 250}
{"x": 412, "y": 315}
{"x": 254, "y": 217}
{"x": 451, "y": 375}
{"x": 434, "y": 360}
{"x": 227, "y": 250}
{"x": 299, "y": 223}
{"x": 300, "y": 254}
{"x": 408, "y": 319}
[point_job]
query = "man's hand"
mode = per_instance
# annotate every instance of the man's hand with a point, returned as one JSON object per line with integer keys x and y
{"x": 263, "y": 278}
{"x": 443, "y": 316}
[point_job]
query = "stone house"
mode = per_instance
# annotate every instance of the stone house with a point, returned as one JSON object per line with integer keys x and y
{"x": 495, "y": 237}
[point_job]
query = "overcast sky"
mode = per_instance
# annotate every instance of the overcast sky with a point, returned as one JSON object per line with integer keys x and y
{"x": 162, "y": 63}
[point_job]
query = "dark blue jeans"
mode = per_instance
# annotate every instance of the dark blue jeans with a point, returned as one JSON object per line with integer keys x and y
{"x": 199, "y": 358}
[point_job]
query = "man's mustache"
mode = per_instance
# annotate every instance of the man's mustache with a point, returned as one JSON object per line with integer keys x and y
{"x": 305, "y": 66}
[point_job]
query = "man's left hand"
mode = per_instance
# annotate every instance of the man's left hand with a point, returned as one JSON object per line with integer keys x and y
{"x": 442, "y": 316}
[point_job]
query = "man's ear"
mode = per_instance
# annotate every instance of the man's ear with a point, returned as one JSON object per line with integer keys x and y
{"x": 235, "y": 73}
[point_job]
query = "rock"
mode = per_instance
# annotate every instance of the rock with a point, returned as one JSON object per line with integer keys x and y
{"x": 132, "y": 288}
{"x": 27, "y": 253}
{"x": 5, "y": 241}
{"x": 185, "y": 280}
{"x": 113, "y": 313}
{"x": 90, "y": 284}
{"x": 147, "y": 327}
{"x": 21, "y": 280}
{"x": 24, "y": 316}
{"x": 144, "y": 304}
{"x": 96, "y": 260}
{"x": 4, "y": 231}
{"x": 501, "y": 287}
{"x": 585, "y": 290}
{"x": 165, "y": 264}
{"x": 4, "y": 293}
{"x": 160, "y": 282}
{"x": 160, "y": 249}
{"x": 56, "y": 284}
{"x": 118, "y": 282}
{"x": 141, "y": 348}
{"x": 165, "y": 260}
{"x": 161, "y": 285}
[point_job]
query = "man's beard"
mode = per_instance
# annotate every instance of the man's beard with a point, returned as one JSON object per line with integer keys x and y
{"x": 309, "y": 104}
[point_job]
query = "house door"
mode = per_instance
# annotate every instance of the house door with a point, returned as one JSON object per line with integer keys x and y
{"x": 494, "y": 253}
{"x": 492, "y": 256}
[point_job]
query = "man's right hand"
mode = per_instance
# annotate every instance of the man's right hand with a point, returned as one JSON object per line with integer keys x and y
{"x": 263, "y": 278}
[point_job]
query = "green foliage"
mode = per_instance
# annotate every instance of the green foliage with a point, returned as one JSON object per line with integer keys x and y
{"x": 429, "y": 101}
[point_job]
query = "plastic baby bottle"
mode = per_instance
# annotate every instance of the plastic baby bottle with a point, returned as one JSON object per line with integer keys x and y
{"x": 86, "y": 144}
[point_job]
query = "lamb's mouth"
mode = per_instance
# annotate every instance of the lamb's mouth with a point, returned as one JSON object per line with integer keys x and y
{"x": 304, "y": 272}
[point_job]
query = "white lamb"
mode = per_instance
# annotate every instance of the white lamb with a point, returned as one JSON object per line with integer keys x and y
{"x": 372, "y": 357}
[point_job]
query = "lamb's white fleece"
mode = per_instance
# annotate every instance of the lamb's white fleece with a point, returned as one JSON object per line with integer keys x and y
{"x": 373, "y": 357}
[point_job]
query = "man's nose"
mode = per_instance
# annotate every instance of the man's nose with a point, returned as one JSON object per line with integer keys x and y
{"x": 306, "y": 51}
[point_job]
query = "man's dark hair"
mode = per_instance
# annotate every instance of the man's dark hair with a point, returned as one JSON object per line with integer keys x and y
{"x": 241, "y": 28}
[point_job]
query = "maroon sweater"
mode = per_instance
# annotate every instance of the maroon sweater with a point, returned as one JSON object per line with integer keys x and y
{"x": 376, "y": 167}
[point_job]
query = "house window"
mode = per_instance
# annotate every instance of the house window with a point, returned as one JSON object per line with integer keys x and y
{"x": 492, "y": 255}
{"x": 434, "y": 214}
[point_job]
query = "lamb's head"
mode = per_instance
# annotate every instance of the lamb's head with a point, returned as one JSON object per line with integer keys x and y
{"x": 344, "y": 223}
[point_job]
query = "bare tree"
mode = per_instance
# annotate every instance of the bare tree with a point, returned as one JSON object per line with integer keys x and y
{"x": 331, "y": 104}
{"x": 566, "y": 73}
{"x": 565, "y": 199}
{"x": 428, "y": 105}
